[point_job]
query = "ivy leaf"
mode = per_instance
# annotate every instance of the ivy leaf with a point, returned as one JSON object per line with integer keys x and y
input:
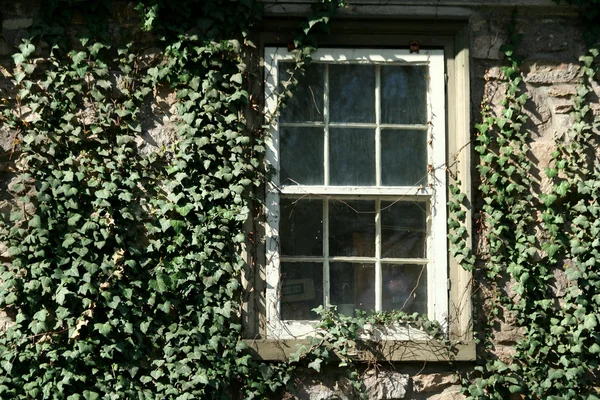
{"x": 68, "y": 241}
{"x": 590, "y": 322}
{"x": 316, "y": 364}
{"x": 104, "y": 329}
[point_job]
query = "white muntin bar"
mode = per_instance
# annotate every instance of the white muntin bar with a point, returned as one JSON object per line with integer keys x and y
{"x": 326, "y": 127}
{"x": 378, "y": 127}
{"x": 355, "y": 260}
{"x": 378, "y": 273}
{"x": 416, "y": 127}
{"x": 404, "y": 193}
{"x": 326, "y": 277}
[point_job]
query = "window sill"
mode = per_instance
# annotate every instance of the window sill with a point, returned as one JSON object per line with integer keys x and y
{"x": 384, "y": 350}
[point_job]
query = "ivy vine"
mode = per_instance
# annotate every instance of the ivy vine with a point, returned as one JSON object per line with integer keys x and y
{"x": 125, "y": 265}
{"x": 124, "y": 278}
{"x": 558, "y": 355}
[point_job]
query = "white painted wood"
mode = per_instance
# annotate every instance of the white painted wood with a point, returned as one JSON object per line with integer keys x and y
{"x": 355, "y": 125}
{"x": 437, "y": 271}
{"x": 356, "y": 260}
{"x": 432, "y": 190}
{"x": 407, "y": 193}
{"x": 378, "y": 274}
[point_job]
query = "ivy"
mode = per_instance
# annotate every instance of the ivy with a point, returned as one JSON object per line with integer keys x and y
{"x": 124, "y": 279}
{"x": 557, "y": 357}
{"x": 125, "y": 265}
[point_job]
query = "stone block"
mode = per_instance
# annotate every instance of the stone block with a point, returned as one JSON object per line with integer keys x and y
{"x": 386, "y": 385}
{"x": 17, "y": 23}
{"x": 564, "y": 108}
{"x": 550, "y": 72}
{"x": 538, "y": 111}
{"x": 435, "y": 382}
{"x": 549, "y": 36}
{"x": 450, "y": 393}
{"x": 326, "y": 387}
{"x": 5, "y": 321}
{"x": 486, "y": 47}
{"x": 562, "y": 90}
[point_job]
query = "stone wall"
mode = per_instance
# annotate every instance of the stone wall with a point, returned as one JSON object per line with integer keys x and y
{"x": 551, "y": 46}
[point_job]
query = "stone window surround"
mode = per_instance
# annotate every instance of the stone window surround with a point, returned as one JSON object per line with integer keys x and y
{"x": 452, "y": 37}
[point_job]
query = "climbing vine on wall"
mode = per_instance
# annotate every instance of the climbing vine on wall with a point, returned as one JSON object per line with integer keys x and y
{"x": 124, "y": 279}
{"x": 559, "y": 353}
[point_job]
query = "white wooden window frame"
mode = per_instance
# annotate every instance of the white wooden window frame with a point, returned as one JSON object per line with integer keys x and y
{"x": 433, "y": 192}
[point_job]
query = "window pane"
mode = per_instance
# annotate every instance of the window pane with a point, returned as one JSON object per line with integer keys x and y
{"x": 352, "y": 228}
{"x": 301, "y": 155}
{"x": 403, "y": 229}
{"x": 404, "y": 288}
{"x": 404, "y": 94}
{"x": 352, "y": 93}
{"x": 351, "y": 157}
{"x": 301, "y": 290}
{"x": 307, "y": 102}
{"x": 352, "y": 286}
{"x": 403, "y": 157}
{"x": 301, "y": 227}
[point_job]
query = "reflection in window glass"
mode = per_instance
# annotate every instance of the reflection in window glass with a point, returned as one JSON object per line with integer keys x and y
{"x": 307, "y": 102}
{"x": 301, "y": 290}
{"x": 404, "y": 94}
{"x": 352, "y": 228}
{"x": 352, "y": 157}
{"x": 352, "y": 287}
{"x": 352, "y": 93}
{"x": 301, "y": 227}
{"x": 403, "y": 229}
{"x": 404, "y": 288}
{"x": 403, "y": 157}
{"x": 301, "y": 156}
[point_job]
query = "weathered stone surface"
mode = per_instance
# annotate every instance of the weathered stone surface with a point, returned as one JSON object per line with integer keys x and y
{"x": 541, "y": 153}
{"x": 326, "y": 387}
{"x": 428, "y": 383}
{"x": 159, "y": 123}
{"x": 551, "y": 35}
{"x": 549, "y": 72}
{"x": 494, "y": 73}
{"x": 563, "y": 108}
{"x": 450, "y": 393}
{"x": 5, "y": 321}
{"x": 17, "y": 23}
{"x": 562, "y": 90}
{"x": 504, "y": 353}
{"x": 386, "y": 385}
{"x": 538, "y": 111}
{"x": 487, "y": 47}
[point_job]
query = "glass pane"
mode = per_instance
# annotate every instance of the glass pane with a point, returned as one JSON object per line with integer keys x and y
{"x": 351, "y": 157}
{"x": 404, "y": 288}
{"x": 403, "y": 229}
{"x": 352, "y": 228}
{"x": 403, "y": 157}
{"x": 301, "y": 290}
{"x": 301, "y": 227}
{"x": 301, "y": 151}
{"x": 404, "y": 94}
{"x": 352, "y": 93}
{"x": 352, "y": 286}
{"x": 307, "y": 102}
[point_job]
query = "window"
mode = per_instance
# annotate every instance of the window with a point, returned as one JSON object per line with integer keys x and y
{"x": 357, "y": 203}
